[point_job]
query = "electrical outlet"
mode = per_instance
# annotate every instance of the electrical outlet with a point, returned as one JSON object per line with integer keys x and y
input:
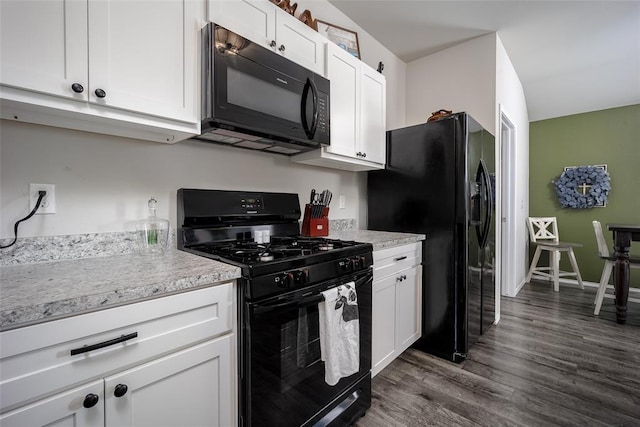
{"x": 341, "y": 201}
{"x": 48, "y": 204}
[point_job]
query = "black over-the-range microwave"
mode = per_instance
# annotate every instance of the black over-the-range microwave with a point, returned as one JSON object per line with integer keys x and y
{"x": 253, "y": 97}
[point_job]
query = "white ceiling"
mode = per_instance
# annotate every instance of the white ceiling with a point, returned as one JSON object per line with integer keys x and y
{"x": 571, "y": 56}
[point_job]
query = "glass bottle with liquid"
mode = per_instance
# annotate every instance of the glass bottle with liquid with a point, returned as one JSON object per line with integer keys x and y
{"x": 153, "y": 231}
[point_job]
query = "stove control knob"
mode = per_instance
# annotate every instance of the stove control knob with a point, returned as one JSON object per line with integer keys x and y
{"x": 301, "y": 277}
{"x": 345, "y": 264}
{"x": 284, "y": 280}
{"x": 358, "y": 262}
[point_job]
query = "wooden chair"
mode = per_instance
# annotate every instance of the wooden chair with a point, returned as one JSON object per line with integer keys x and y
{"x": 543, "y": 232}
{"x": 609, "y": 260}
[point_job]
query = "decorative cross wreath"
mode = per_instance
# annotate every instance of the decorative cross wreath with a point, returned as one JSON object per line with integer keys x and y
{"x": 583, "y": 187}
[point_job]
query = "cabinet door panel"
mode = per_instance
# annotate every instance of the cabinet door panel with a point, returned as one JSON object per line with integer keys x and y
{"x": 252, "y": 19}
{"x": 344, "y": 73}
{"x": 60, "y": 410}
{"x": 143, "y": 56}
{"x": 192, "y": 387}
{"x": 300, "y": 43}
{"x": 409, "y": 292}
{"x": 384, "y": 324}
{"x": 373, "y": 115}
{"x": 48, "y": 51}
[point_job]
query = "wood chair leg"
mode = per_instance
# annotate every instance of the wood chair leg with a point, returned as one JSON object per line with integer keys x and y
{"x": 602, "y": 288}
{"x": 574, "y": 265}
{"x": 534, "y": 263}
{"x": 555, "y": 263}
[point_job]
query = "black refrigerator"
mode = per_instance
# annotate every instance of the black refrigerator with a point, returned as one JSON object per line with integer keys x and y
{"x": 440, "y": 181}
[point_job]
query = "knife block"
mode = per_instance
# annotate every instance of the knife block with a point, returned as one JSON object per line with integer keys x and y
{"x": 315, "y": 227}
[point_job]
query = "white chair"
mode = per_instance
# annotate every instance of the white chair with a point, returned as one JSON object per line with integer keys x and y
{"x": 543, "y": 232}
{"x": 603, "y": 252}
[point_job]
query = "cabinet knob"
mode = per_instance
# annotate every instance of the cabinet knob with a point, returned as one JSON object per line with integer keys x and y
{"x": 273, "y": 43}
{"x": 100, "y": 93}
{"x": 90, "y": 400}
{"x": 281, "y": 48}
{"x": 77, "y": 88}
{"x": 364, "y": 154}
{"x": 120, "y": 390}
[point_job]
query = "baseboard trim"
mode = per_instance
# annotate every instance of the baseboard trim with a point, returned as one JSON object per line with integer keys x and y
{"x": 633, "y": 292}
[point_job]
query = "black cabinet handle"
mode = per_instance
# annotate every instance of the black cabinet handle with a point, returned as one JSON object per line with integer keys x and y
{"x": 90, "y": 400}
{"x": 273, "y": 43}
{"x": 100, "y": 93}
{"x": 120, "y": 390}
{"x": 400, "y": 258}
{"x": 92, "y": 347}
{"x": 77, "y": 88}
{"x": 281, "y": 48}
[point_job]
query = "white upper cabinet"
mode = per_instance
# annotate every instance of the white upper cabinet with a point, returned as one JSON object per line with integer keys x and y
{"x": 358, "y": 116}
{"x": 108, "y": 66}
{"x": 373, "y": 99}
{"x": 142, "y": 57}
{"x": 344, "y": 74}
{"x": 266, "y": 24}
{"x": 44, "y": 46}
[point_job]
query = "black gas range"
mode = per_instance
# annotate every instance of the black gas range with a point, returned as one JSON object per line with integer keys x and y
{"x": 281, "y": 374}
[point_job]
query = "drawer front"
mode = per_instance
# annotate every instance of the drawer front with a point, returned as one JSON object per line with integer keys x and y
{"x": 387, "y": 262}
{"x": 37, "y": 360}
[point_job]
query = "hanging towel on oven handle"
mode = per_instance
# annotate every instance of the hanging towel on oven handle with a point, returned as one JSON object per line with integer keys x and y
{"x": 339, "y": 332}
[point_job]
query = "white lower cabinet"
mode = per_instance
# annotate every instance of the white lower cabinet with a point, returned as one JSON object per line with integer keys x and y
{"x": 178, "y": 370}
{"x": 397, "y": 302}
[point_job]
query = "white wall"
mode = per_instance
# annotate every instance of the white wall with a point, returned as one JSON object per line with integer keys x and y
{"x": 510, "y": 95}
{"x": 103, "y": 182}
{"x": 460, "y": 78}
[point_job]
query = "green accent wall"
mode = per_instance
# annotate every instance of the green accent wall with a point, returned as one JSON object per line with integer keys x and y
{"x": 610, "y": 137}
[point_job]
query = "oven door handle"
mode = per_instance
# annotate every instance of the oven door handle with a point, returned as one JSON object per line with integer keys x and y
{"x": 289, "y": 303}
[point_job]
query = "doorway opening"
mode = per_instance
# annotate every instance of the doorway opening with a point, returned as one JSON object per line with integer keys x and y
{"x": 508, "y": 284}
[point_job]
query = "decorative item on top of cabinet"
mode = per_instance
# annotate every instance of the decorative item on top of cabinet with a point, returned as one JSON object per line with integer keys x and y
{"x": 267, "y": 25}
{"x": 286, "y": 6}
{"x": 346, "y": 39}
{"x": 305, "y": 18}
{"x": 83, "y": 72}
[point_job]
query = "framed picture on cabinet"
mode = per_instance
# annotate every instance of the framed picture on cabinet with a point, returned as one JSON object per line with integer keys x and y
{"x": 346, "y": 39}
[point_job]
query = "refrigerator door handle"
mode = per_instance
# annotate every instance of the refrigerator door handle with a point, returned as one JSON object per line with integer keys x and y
{"x": 483, "y": 173}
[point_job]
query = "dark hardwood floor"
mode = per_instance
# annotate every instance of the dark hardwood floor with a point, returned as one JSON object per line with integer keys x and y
{"x": 548, "y": 362}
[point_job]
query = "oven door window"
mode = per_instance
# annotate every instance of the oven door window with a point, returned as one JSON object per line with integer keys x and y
{"x": 287, "y": 375}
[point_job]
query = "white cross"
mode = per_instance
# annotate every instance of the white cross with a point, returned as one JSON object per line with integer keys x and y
{"x": 584, "y": 187}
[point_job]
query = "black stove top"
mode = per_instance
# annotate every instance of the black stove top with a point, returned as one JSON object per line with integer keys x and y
{"x": 278, "y": 249}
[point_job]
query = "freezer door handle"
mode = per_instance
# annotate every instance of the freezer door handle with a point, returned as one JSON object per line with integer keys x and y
{"x": 482, "y": 177}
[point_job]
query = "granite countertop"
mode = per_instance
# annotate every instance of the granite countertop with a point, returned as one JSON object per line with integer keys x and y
{"x": 379, "y": 239}
{"x": 33, "y": 293}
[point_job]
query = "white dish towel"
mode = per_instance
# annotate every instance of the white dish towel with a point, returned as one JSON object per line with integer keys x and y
{"x": 339, "y": 332}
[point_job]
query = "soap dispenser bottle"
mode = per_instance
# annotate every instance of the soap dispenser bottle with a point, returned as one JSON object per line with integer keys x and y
{"x": 153, "y": 231}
